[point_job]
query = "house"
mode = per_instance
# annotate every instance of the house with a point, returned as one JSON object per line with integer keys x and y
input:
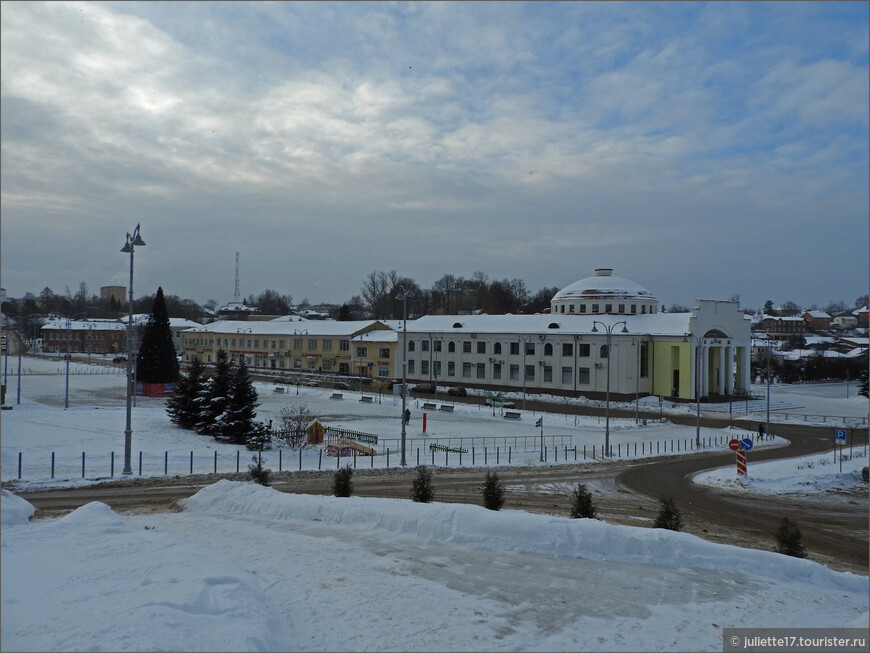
{"x": 783, "y": 325}
{"x": 62, "y": 335}
{"x": 818, "y": 320}
{"x": 844, "y": 320}
{"x": 861, "y": 316}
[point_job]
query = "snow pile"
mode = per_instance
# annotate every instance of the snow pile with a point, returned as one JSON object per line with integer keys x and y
{"x": 15, "y": 510}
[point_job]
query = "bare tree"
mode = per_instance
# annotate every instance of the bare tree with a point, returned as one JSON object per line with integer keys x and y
{"x": 294, "y": 422}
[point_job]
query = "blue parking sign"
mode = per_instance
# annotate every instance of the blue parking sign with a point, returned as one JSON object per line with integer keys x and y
{"x": 840, "y": 436}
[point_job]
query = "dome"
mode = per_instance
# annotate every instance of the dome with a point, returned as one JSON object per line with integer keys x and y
{"x": 604, "y": 293}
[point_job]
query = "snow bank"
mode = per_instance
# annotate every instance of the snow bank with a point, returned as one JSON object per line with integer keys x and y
{"x": 15, "y": 510}
{"x": 516, "y": 531}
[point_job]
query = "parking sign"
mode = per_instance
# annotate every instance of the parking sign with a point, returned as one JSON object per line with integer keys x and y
{"x": 840, "y": 436}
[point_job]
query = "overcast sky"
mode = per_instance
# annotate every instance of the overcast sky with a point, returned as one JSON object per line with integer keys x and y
{"x": 701, "y": 150}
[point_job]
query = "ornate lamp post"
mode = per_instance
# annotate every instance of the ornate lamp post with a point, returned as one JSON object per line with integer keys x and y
{"x": 132, "y": 242}
{"x": 609, "y": 331}
{"x": 406, "y": 294}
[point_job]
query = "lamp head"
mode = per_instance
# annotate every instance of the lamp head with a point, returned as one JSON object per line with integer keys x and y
{"x": 624, "y": 328}
{"x": 127, "y": 248}
{"x": 137, "y": 239}
{"x": 594, "y": 328}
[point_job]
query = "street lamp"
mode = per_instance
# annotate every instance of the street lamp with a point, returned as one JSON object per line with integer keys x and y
{"x": 132, "y": 242}
{"x": 697, "y": 340}
{"x": 67, "y": 356}
{"x": 404, "y": 298}
{"x": 609, "y": 330}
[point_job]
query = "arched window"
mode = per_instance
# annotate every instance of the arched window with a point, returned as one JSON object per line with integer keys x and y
{"x": 410, "y": 345}
{"x": 548, "y": 349}
{"x": 451, "y": 347}
{"x": 496, "y": 348}
{"x": 603, "y": 352}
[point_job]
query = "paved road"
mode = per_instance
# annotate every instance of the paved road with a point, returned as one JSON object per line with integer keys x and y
{"x": 835, "y": 530}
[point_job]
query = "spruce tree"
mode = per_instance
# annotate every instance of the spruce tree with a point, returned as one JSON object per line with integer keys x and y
{"x": 493, "y": 492}
{"x": 236, "y": 422}
{"x": 421, "y": 490}
{"x": 215, "y": 396}
{"x": 183, "y": 405}
{"x": 157, "y": 360}
{"x": 342, "y": 486}
{"x": 789, "y": 539}
{"x": 582, "y": 507}
{"x": 669, "y": 516}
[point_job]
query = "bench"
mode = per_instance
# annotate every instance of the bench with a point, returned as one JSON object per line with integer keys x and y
{"x": 446, "y": 408}
{"x": 446, "y": 449}
{"x": 279, "y": 389}
{"x": 512, "y": 414}
{"x": 336, "y": 395}
{"x": 366, "y": 399}
{"x": 428, "y": 406}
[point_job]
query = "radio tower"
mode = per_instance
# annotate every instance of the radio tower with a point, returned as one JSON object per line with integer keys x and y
{"x": 237, "y": 295}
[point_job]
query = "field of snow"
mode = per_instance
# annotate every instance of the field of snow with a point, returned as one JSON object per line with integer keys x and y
{"x": 247, "y": 568}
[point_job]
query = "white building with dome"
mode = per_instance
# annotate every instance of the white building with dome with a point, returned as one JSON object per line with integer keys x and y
{"x": 604, "y": 336}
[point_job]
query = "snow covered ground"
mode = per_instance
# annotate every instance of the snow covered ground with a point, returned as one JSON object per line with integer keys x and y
{"x": 244, "y": 567}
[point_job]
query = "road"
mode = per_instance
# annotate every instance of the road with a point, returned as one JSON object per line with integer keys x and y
{"x": 834, "y": 528}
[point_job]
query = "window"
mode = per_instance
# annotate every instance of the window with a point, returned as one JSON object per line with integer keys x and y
{"x": 548, "y": 349}
{"x": 644, "y": 361}
{"x": 424, "y": 345}
{"x": 451, "y": 347}
{"x": 548, "y": 374}
{"x": 582, "y": 308}
{"x": 274, "y": 344}
{"x": 571, "y": 308}
{"x": 563, "y": 308}
{"x": 481, "y": 370}
{"x": 530, "y": 372}
{"x": 411, "y": 345}
{"x": 436, "y": 345}
{"x": 514, "y": 372}
{"x": 566, "y": 375}
{"x": 530, "y": 348}
{"x": 643, "y": 308}
{"x": 451, "y": 368}
{"x": 515, "y": 349}
{"x": 594, "y": 308}
{"x": 424, "y": 367}
{"x": 234, "y": 342}
{"x": 383, "y": 371}
{"x": 344, "y": 345}
{"x": 583, "y": 350}
{"x": 466, "y": 347}
{"x": 567, "y": 349}
{"x": 326, "y": 345}
{"x": 411, "y": 366}
{"x": 622, "y": 308}
{"x": 384, "y": 352}
{"x": 481, "y": 347}
{"x": 362, "y": 352}
{"x": 437, "y": 366}
{"x": 496, "y": 348}
{"x": 583, "y": 376}
{"x": 602, "y": 353}
{"x": 496, "y": 370}
{"x": 297, "y": 343}
{"x": 633, "y": 309}
{"x": 466, "y": 370}
{"x": 312, "y": 344}
{"x": 280, "y": 344}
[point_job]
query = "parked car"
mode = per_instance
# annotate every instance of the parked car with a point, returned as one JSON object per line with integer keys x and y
{"x": 500, "y": 404}
{"x": 425, "y": 387}
{"x": 341, "y": 385}
{"x": 119, "y": 359}
{"x": 312, "y": 383}
{"x": 285, "y": 379}
{"x": 458, "y": 391}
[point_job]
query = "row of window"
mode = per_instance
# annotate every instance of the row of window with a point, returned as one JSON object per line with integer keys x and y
{"x": 529, "y": 347}
{"x": 608, "y": 308}
{"x": 477, "y": 371}
{"x": 299, "y": 344}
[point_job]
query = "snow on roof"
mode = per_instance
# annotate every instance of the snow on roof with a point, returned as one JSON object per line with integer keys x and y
{"x": 604, "y": 286}
{"x": 650, "y": 323}
{"x": 282, "y": 327}
{"x": 817, "y": 314}
{"x": 85, "y": 325}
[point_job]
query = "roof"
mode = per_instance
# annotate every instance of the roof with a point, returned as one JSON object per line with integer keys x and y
{"x": 283, "y": 327}
{"x": 604, "y": 286}
{"x": 647, "y": 324}
{"x": 84, "y": 325}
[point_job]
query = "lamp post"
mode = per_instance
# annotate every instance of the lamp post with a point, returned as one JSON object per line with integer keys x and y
{"x": 67, "y": 357}
{"x": 404, "y": 298}
{"x": 132, "y": 242}
{"x": 609, "y": 331}
{"x": 697, "y": 340}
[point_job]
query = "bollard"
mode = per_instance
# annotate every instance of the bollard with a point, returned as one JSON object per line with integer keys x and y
{"x": 485, "y": 458}
{"x": 418, "y": 456}
{"x": 237, "y": 461}
{"x": 215, "y": 462}
{"x": 319, "y": 460}
{"x": 300, "y": 459}
{"x": 19, "y": 465}
{"x": 83, "y": 464}
{"x": 496, "y": 456}
{"x": 191, "y": 462}
{"x": 52, "y": 464}
{"x": 433, "y": 457}
{"x": 280, "y": 458}
{"x": 388, "y": 456}
{"x": 112, "y": 465}
{"x": 140, "y": 462}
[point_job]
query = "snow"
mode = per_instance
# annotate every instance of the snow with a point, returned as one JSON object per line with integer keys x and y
{"x": 248, "y": 568}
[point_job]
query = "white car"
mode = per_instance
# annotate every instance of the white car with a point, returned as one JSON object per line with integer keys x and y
{"x": 500, "y": 404}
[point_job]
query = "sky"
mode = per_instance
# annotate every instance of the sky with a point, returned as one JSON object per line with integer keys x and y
{"x": 247, "y": 568}
{"x": 705, "y": 151}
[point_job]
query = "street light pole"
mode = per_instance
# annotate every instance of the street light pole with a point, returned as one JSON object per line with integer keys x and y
{"x": 609, "y": 330}
{"x": 404, "y": 297}
{"x": 132, "y": 242}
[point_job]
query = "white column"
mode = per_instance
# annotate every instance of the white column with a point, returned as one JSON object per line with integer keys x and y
{"x": 702, "y": 372}
{"x": 722, "y": 365}
{"x": 729, "y": 376}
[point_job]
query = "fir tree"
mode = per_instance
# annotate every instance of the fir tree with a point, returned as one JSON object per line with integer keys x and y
{"x": 236, "y": 422}
{"x": 215, "y": 396}
{"x": 182, "y": 406}
{"x": 421, "y": 490}
{"x": 157, "y": 360}
{"x": 493, "y": 492}
{"x": 669, "y": 516}
{"x": 258, "y": 473}
{"x": 789, "y": 539}
{"x": 582, "y": 507}
{"x": 342, "y": 486}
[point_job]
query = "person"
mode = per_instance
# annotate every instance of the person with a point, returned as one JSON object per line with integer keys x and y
{"x": 407, "y": 415}
{"x": 760, "y": 431}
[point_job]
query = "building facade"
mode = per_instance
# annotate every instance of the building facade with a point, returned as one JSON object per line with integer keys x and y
{"x": 61, "y": 335}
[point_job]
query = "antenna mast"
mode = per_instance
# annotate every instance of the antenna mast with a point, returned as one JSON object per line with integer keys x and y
{"x": 237, "y": 295}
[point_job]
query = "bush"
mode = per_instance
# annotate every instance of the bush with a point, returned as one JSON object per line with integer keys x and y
{"x": 493, "y": 492}
{"x": 422, "y": 491}
{"x": 342, "y": 486}
{"x": 669, "y": 516}
{"x": 788, "y": 539}
{"x": 581, "y": 507}
{"x": 259, "y": 473}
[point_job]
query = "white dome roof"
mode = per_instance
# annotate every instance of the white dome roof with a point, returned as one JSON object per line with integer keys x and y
{"x": 604, "y": 286}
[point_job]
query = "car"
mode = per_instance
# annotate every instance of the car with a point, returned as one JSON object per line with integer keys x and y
{"x": 119, "y": 359}
{"x": 312, "y": 383}
{"x": 865, "y": 474}
{"x": 341, "y": 385}
{"x": 285, "y": 379}
{"x": 458, "y": 391}
{"x": 425, "y": 387}
{"x": 500, "y": 404}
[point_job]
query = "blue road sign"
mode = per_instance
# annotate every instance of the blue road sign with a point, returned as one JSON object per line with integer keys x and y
{"x": 840, "y": 436}
{"x": 746, "y": 444}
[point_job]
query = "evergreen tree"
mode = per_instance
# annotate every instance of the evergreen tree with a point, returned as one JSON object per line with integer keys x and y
{"x": 789, "y": 539}
{"x": 258, "y": 473}
{"x": 421, "y": 490}
{"x": 236, "y": 422}
{"x": 182, "y": 406}
{"x": 669, "y": 516}
{"x": 493, "y": 492}
{"x": 582, "y": 507}
{"x": 342, "y": 486}
{"x": 863, "y": 384}
{"x": 215, "y": 396}
{"x": 157, "y": 360}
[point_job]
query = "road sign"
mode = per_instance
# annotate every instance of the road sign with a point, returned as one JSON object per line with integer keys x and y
{"x": 734, "y": 443}
{"x": 741, "y": 463}
{"x": 746, "y": 444}
{"x": 840, "y": 436}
